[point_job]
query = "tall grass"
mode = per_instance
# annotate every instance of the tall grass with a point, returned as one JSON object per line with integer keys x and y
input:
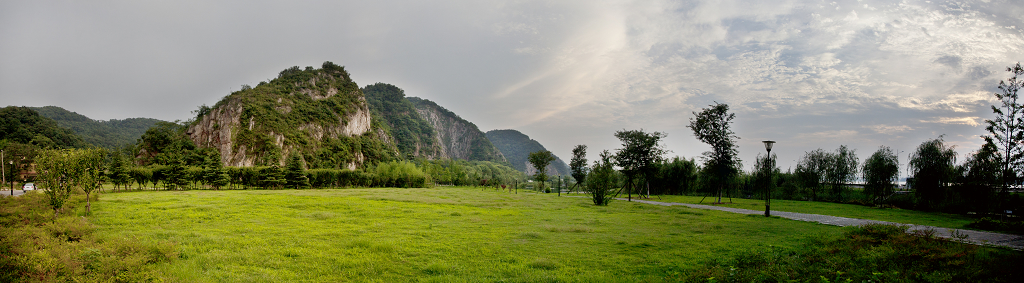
{"x": 35, "y": 247}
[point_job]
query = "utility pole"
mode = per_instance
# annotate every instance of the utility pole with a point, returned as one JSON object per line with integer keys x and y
{"x": 3, "y": 171}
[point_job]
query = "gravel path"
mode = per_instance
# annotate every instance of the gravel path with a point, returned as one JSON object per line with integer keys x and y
{"x": 974, "y": 237}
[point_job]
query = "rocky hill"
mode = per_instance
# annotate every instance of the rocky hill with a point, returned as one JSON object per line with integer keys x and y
{"x": 458, "y": 138}
{"x": 107, "y": 134}
{"x": 320, "y": 114}
{"x": 414, "y": 136}
{"x": 516, "y": 147}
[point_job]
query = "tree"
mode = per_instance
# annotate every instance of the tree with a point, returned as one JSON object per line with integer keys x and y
{"x": 58, "y": 173}
{"x": 1008, "y": 128}
{"x": 578, "y": 164}
{"x": 90, "y": 162}
{"x": 880, "y": 173}
{"x": 676, "y": 176}
{"x": 765, "y": 172}
{"x": 175, "y": 176}
{"x": 118, "y": 170}
{"x": 639, "y": 152}
{"x": 295, "y": 175}
{"x": 214, "y": 172}
{"x": 932, "y": 167}
{"x": 271, "y": 177}
{"x": 711, "y": 126}
{"x": 842, "y": 169}
{"x": 602, "y": 179}
{"x": 980, "y": 175}
{"x": 540, "y": 161}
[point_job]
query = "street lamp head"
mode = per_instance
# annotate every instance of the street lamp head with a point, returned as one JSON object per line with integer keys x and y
{"x": 768, "y": 145}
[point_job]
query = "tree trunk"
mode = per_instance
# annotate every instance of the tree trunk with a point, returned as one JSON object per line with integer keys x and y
{"x": 88, "y": 204}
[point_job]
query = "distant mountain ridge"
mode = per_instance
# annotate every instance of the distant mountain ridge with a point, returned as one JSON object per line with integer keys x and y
{"x": 517, "y": 147}
{"x": 108, "y": 134}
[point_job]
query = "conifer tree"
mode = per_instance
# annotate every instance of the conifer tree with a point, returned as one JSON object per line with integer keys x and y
{"x": 295, "y": 175}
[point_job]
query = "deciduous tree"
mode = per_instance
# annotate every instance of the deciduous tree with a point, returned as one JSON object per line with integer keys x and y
{"x": 712, "y": 126}
{"x": 880, "y": 173}
{"x": 540, "y": 161}
{"x": 578, "y": 164}
{"x": 1007, "y": 128}
{"x": 842, "y": 169}
{"x": 90, "y": 163}
{"x": 602, "y": 179}
{"x": 639, "y": 153}
{"x": 932, "y": 167}
{"x": 58, "y": 173}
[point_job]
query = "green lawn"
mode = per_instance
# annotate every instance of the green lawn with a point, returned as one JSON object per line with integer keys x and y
{"x": 438, "y": 234}
{"x": 905, "y": 216}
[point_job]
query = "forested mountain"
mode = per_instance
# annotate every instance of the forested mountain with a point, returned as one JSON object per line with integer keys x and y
{"x": 517, "y": 147}
{"x": 320, "y": 114}
{"x": 414, "y": 136}
{"x": 25, "y": 126}
{"x": 458, "y": 138}
{"x": 107, "y": 134}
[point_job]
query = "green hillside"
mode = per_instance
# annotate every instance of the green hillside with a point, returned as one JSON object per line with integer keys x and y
{"x": 413, "y": 135}
{"x": 107, "y": 134}
{"x": 517, "y": 146}
{"x": 25, "y": 126}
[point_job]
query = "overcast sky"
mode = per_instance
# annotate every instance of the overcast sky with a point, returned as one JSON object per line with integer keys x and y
{"x": 808, "y": 74}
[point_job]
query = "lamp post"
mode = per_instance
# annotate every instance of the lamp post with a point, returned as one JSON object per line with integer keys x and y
{"x": 767, "y": 187}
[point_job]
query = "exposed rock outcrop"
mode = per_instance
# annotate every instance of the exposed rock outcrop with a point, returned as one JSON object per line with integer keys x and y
{"x": 319, "y": 114}
{"x": 458, "y": 138}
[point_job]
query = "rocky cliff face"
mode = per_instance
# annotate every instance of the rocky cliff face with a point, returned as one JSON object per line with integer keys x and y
{"x": 217, "y": 128}
{"x": 319, "y": 114}
{"x": 458, "y": 138}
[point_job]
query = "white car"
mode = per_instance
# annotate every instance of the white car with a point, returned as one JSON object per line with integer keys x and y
{"x": 28, "y": 187}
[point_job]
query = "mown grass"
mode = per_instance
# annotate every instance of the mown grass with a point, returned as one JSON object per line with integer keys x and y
{"x": 904, "y": 216}
{"x": 433, "y": 235}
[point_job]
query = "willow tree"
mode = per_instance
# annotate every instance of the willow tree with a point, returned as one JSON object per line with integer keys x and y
{"x": 880, "y": 173}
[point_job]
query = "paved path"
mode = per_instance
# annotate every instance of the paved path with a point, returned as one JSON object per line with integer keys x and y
{"x": 7, "y": 193}
{"x": 974, "y": 237}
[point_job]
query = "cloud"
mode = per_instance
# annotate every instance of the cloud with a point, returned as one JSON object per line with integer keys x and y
{"x": 971, "y": 121}
{"x": 866, "y": 72}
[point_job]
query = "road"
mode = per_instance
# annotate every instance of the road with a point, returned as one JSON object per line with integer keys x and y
{"x": 7, "y": 192}
{"x": 970, "y": 236}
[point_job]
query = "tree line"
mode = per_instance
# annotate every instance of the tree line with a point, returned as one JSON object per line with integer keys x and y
{"x": 985, "y": 182}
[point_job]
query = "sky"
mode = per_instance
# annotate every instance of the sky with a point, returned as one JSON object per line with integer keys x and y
{"x": 807, "y": 74}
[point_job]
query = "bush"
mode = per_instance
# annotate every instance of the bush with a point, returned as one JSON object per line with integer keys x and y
{"x": 401, "y": 174}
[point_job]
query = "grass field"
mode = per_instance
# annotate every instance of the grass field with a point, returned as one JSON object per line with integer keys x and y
{"x": 904, "y": 216}
{"x": 438, "y": 234}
